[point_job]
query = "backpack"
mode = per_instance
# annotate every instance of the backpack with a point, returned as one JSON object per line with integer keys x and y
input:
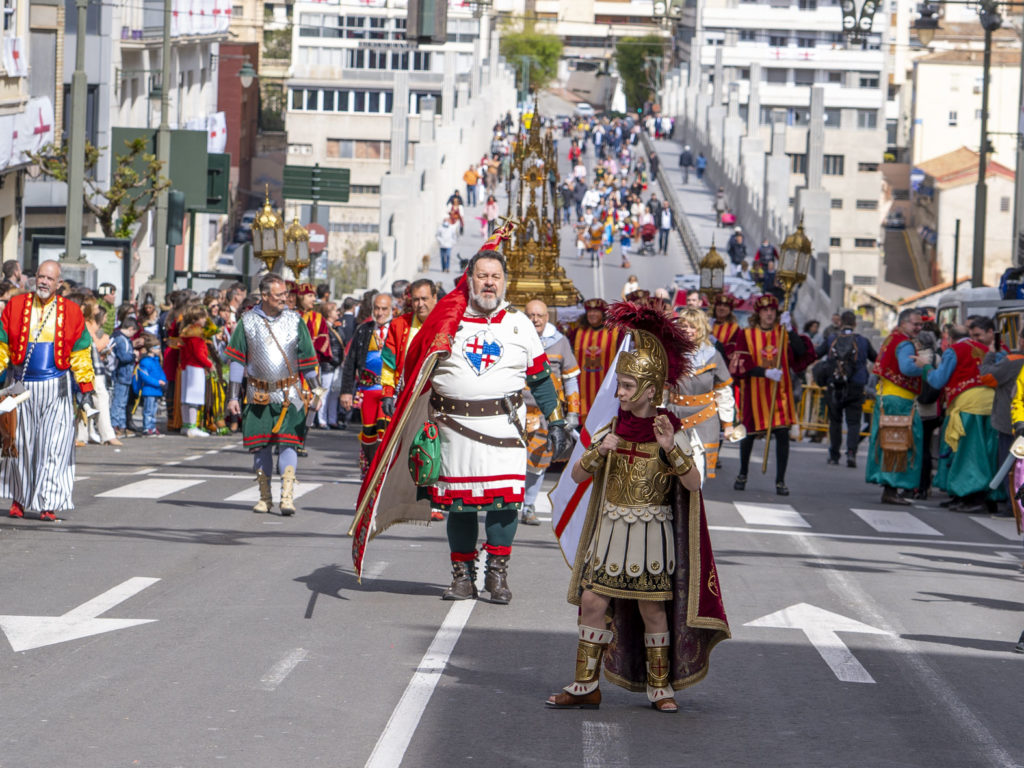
{"x": 839, "y": 364}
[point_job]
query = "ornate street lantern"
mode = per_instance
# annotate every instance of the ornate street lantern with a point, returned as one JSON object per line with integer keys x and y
{"x": 268, "y": 235}
{"x": 296, "y": 247}
{"x": 794, "y": 261}
{"x": 712, "y": 273}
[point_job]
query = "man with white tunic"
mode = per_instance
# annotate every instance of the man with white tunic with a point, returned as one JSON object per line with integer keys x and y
{"x": 44, "y": 339}
{"x": 478, "y": 406}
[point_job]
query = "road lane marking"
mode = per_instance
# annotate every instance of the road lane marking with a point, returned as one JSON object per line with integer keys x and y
{"x": 820, "y": 628}
{"x": 373, "y": 570}
{"x": 604, "y": 745}
{"x": 1001, "y": 526}
{"x": 144, "y": 471}
{"x": 782, "y": 515}
{"x": 895, "y": 521}
{"x": 277, "y": 673}
{"x": 394, "y": 740}
{"x": 252, "y": 494}
{"x": 27, "y": 632}
{"x": 853, "y": 537}
{"x": 850, "y": 592}
{"x": 151, "y": 488}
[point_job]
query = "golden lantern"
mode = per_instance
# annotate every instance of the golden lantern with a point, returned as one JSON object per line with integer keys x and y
{"x": 268, "y": 235}
{"x": 794, "y": 261}
{"x": 296, "y": 248}
{"x": 712, "y": 273}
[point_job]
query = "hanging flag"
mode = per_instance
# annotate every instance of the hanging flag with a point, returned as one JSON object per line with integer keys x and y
{"x": 569, "y": 501}
{"x": 217, "y": 133}
{"x": 14, "y": 59}
{"x": 6, "y": 140}
{"x": 222, "y": 15}
{"x": 33, "y": 128}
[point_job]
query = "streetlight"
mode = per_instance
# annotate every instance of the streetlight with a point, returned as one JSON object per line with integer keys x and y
{"x": 268, "y": 235}
{"x": 927, "y": 23}
{"x": 712, "y": 274}
{"x": 296, "y": 248}
{"x": 246, "y": 74}
{"x": 988, "y": 15}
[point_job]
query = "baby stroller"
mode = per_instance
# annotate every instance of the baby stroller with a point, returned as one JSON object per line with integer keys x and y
{"x": 647, "y": 234}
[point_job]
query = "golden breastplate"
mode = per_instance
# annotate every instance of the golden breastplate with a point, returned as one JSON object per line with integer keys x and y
{"x": 636, "y": 476}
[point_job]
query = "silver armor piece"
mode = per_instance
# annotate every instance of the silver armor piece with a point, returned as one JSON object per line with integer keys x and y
{"x": 263, "y": 357}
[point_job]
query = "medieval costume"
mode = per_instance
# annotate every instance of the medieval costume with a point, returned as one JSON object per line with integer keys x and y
{"x": 764, "y": 362}
{"x": 645, "y": 537}
{"x": 361, "y": 376}
{"x": 464, "y": 375}
{"x": 970, "y": 454}
{"x": 272, "y": 354}
{"x": 724, "y": 327}
{"x": 703, "y": 402}
{"x": 47, "y": 344}
{"x": 401, "y": 332}
{"x": 899, "y": 384}
{"x": 565, "y": 376}
{"x": 594, "y": 348}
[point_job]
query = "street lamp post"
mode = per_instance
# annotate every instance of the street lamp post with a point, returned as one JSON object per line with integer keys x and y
{"x": 162, "y": 267}
{"x": 990, "y": 21}
{"x": 76, "y": 142}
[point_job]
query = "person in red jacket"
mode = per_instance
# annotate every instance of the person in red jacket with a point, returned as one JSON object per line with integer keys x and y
{"x": 195, "y": 362}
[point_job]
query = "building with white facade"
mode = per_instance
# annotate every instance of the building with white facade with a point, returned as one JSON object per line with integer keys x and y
{"x": 794, "y": 45}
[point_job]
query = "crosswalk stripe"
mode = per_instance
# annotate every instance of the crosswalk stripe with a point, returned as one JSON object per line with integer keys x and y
{"x": 771, "y": 514}
{"x": 895, "y": 521}
{"x": 1001, "y": 526}
{"x": 252, "y": 494}
{"x": 151, "y": 488}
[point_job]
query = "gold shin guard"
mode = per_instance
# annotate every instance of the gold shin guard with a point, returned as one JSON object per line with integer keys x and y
{"x": 659, "y": 666}
{"x": 588, "y": 659}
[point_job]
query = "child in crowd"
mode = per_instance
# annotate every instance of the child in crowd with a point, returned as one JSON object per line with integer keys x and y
{"x": 124, "y": 368}
{"x": 195, "y": 362}
{"x": 151, "y": 382}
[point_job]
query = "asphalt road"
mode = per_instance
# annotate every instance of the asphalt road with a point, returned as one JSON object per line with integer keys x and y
{"x": 262, "y": 649}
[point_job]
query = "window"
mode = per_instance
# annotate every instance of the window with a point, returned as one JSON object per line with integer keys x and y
{"x": 837, "y": 203}
{"x": 807, "y": 5}
{"x": 312, "y": 99}
{"x": 364, "y": 189}
{"x": 867, "y": 118}
{"x": 778, "y": 41}
{"x": 867, "y": 80}
{"x": 867, "y": 205}
{"x": 798, "y": 116}
{"x": 1004, "y": 204}
{"x": 745, "y": 73}
{"x": 798, "y": 163}
{"x": 339, "y": 148}
{"x": 359, "y": 149}
{"x": 864, "y": 242}
{"x": 835, "y": 242}
{"x": 835, "y": 77}
{"x": 952, "y": 117}
{"x": 867, "y": 167}
{"x": 776, "y": 75}
{"x": 327, "y": 101}
{"x": 865, "y": 279}
{"x": 806, "y": 42}
{"x": 297, "y": 98}
{"x": 749, "y": 35}
{"x": 833, "y": 165}
{"x": 803, "y": 76}
{"x": 833, "y": 117}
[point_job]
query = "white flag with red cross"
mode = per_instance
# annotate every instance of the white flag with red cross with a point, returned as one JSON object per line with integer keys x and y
{"x": 222, "y": 15}
{"x": 216, "y": 132}
{"x": 33, "y": 128}
{"x": 569, "y": 501}
{"x": 14, "y": 57}
{"x": 6, "y": 140}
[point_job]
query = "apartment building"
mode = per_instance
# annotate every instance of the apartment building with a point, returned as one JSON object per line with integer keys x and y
{"x": 799, "y": 44}
{"x": 341, "y": 96}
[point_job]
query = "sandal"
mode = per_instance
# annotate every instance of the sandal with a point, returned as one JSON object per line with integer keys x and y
{"x": 667, "y": 705}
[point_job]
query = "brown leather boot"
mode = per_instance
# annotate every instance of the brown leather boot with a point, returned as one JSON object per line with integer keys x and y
{"x": 583, "y": 692}
{"x": 496, "y": 579}
{"x": 463, "y": 586}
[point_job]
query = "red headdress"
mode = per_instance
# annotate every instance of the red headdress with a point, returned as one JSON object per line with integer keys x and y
{"x": 725, "y": 300}
{"x": 766, "y": 301}
{"x": 659, "y": 353}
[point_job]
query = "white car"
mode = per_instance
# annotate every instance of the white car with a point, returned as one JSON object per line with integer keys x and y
{"x": 584, "y": 110}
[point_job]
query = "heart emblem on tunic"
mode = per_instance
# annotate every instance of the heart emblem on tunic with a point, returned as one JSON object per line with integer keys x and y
{"x": 481, "y": 352}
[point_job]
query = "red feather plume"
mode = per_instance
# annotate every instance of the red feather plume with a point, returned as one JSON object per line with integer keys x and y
{"x": 645, "y": 316}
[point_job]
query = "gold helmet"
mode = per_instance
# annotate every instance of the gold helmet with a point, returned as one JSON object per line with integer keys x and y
{"x": 659, "y": 349}
{"x": 646, "y": 362}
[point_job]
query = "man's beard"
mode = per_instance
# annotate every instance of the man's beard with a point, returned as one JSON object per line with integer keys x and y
{"x": 485, "y": 303}
{"x": 44, "y": 293}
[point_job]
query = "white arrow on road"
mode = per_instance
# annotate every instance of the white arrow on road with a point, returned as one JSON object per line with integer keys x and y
{"x": 821, "y": 627}
{"x": 27, "y": 632}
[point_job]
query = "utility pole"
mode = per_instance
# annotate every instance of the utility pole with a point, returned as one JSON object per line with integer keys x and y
{"x": 162, "y": 267}
{"x": 76, "y": 142}
{"x": 1018, "y": 208}
{"x": 990, "y": 21}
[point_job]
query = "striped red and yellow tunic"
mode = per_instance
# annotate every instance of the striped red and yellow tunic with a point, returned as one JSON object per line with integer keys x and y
{"x": 758, "y": 350}
{"x": 595, "y": 350}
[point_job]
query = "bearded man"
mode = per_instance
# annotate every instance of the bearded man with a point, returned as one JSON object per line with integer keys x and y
{"x": 594, "y": 347}
{"x": 44, "y": 338}
{"x": 565, "y": 376}
{"x": 464, "y": 374}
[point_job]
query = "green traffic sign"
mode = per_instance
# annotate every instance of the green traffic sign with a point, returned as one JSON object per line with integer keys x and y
{"x": 311, "y": 182}
{"x": 218, "y": 187}
{"x": 187, "y": 166}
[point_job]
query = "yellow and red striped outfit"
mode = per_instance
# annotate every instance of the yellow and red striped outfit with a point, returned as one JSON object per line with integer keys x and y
{"x": 759, "y": 349}
{"x": 595, "y": 350}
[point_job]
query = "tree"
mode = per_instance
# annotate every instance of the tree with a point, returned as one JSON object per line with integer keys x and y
{"x": 637, "y": 58}
{"x": 539, "y": 52}
{"x": 131, "y": 193}
{"x": 349, "y": 274}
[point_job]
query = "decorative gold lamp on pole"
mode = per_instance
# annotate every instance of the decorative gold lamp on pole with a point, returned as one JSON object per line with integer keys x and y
{"x": 268, "y": 235}
{"x": 712, "y": 274}
{"x": 296, "y": 247}
{"x": 794, "y": 264}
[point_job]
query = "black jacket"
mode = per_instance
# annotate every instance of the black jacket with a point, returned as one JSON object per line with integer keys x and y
{"x": 337, "y": 350}
{"x": 355, "y": 361}
{"x": 686, "y": 158}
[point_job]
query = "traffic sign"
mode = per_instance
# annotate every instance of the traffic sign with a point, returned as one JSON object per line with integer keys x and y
{"x": 317, "y": 237}
{"x": 187, "y": 166}
{"x": 311, "y": 182}
{"x": 218, "y": 187}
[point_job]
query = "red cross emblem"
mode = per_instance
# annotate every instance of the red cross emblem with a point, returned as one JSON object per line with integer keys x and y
{"x": 42, "y": 127}
{"x": 475, "y": 346}
{"x": 633, "y": 453}
{"x": 659, "y": 667}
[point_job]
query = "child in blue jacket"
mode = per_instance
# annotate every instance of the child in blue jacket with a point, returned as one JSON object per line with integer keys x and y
{"x": 150, "y": 381}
